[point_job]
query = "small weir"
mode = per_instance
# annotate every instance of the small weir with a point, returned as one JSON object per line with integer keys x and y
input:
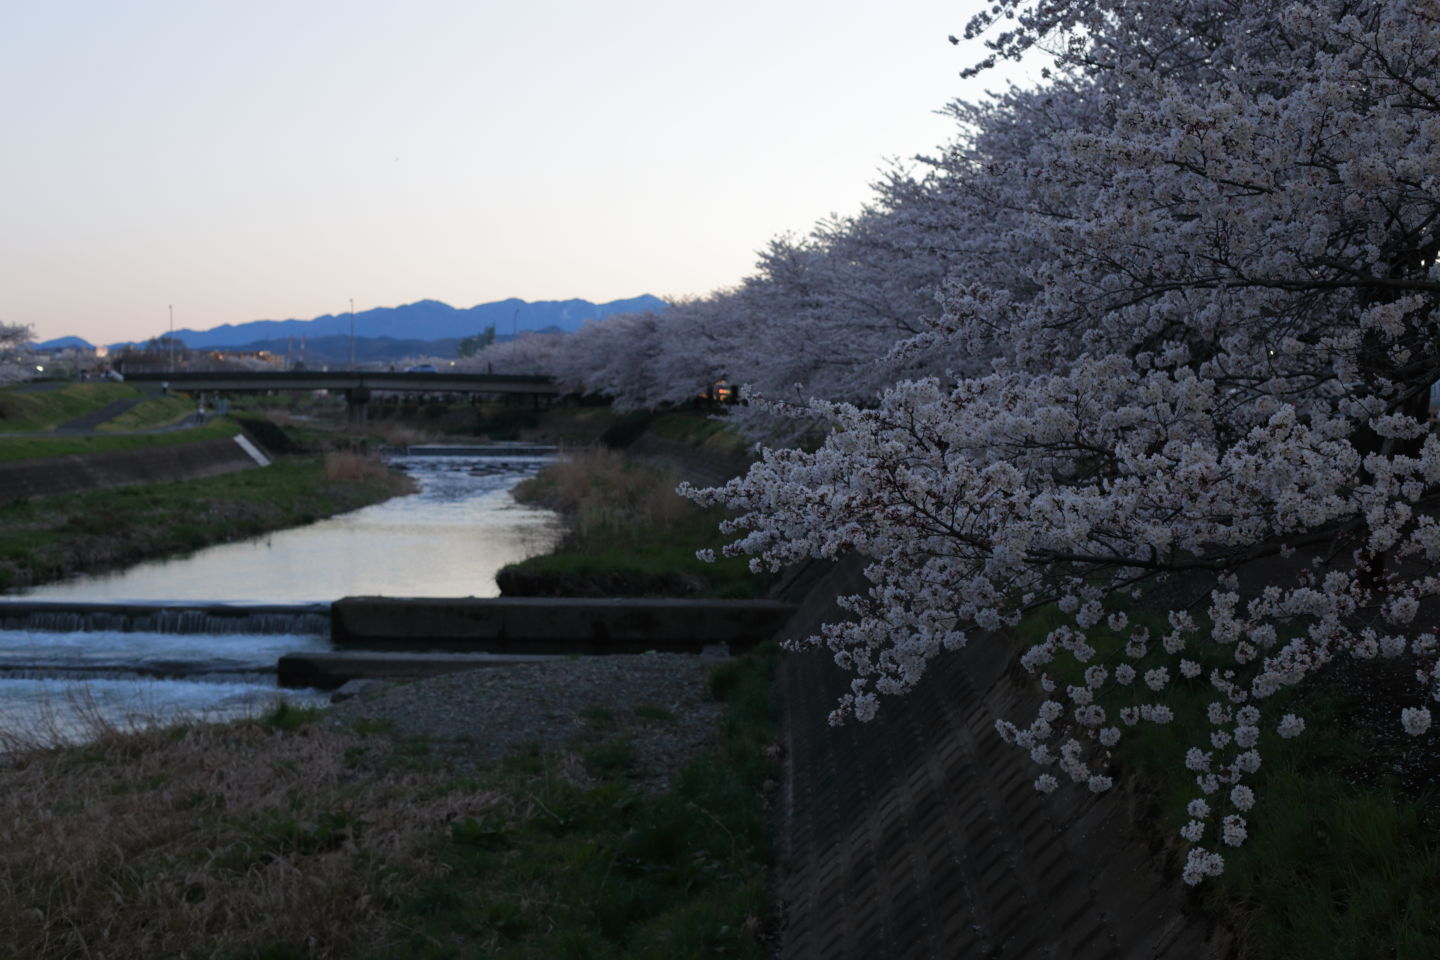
{"x": 202, "y": 635}
{"x": 209, "y": 619}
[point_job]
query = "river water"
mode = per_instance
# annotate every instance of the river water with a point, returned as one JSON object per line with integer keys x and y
{"x": 449, "y": 539}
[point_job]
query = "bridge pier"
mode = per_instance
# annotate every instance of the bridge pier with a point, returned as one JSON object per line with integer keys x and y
{"x": 357, "y": 405}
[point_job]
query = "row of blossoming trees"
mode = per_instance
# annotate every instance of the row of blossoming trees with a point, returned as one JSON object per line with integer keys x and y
{"x": 14, "y": 346}
{"x": 1168, "y": 318}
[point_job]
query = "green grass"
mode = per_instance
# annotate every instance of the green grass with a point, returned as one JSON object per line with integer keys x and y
{"x": 31, "y": 412}
{"x": 43, "y": 446}
{"x": 48, "y": 538}
{"x": 1343, "y": 854}
{"x": 699, "y": 428}
{"x": 628, "y": 533}
{"x": 35, "y": 414}
{"x": 599, "y": 870}
{"x": 653, "y": 565}
{"x": 150, "y": 413}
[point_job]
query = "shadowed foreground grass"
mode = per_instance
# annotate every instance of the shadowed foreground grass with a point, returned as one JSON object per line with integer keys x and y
{"x": 290, "y": 837}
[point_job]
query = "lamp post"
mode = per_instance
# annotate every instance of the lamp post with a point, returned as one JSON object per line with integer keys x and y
{"x": 172, "y": 336}
{"x": 352, "y": 333}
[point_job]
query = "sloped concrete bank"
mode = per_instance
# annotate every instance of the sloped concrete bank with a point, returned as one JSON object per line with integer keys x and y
{"x": 698, "y": 465}
{"x": 158, "y": 464}
{"x": 920, "y": 834}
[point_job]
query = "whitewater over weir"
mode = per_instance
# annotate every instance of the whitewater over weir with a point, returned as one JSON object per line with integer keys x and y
{"x": 449, "y": 539}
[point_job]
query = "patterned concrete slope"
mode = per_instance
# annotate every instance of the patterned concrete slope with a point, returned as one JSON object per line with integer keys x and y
{"x": 700, "y": 466}
{"x": 920, "y": 835}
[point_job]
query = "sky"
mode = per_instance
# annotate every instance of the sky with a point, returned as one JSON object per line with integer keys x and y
{"x": 273, "y": 160}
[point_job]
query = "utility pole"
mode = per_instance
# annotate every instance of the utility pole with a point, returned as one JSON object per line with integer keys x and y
{"x": 172, "y": 336}
{"x": 352, "y": 333}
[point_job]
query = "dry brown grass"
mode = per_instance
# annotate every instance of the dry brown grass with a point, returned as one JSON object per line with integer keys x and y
{"x": 217, "y": 840}
{"x": 606, "y": 495}
{"x": 346, "y": 467}
{"x": 398, "y": 434}
{"x": 75, "y": 717}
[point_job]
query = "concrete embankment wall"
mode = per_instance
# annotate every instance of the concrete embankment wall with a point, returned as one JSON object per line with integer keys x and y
{"x": 920, "y": 834}
{"x": 702, "y": 466}
{"x": 158, "y": 464}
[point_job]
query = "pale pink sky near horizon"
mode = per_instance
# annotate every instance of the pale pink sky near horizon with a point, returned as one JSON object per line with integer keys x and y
{"x": 266, "y": 160}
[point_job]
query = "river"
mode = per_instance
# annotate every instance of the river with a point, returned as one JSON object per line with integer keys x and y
{"x": 448, "y": 539}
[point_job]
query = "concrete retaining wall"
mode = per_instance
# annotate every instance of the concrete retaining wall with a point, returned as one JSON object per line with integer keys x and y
{"x": 85, "y": 471}
{"x": 699, "y": 465}
{"x": 920, "y": 834}
{"x": 537, "y": 625}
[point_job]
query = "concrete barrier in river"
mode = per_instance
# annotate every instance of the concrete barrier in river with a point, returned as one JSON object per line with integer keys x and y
{"x": 553, "y": 625}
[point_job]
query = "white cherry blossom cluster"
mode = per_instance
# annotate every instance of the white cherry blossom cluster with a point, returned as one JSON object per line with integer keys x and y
{"x": 1189, "y": 353}
{"x": 13, "y": 340}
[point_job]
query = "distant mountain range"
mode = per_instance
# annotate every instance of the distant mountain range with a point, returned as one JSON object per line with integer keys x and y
{"x": 64, "y": 343}
{"x": 418, "y": 325}
{"x": 425, "y": 320}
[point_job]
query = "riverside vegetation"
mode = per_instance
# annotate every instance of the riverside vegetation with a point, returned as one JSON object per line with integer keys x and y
{"x": 628, "y": 532}
{"x": 288, "y": 837}
{"x": 48, "y": 538}
{"x": 52, "y": 537}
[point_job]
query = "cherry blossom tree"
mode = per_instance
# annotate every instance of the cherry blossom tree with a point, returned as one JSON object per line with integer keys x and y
{"x": 526, "y": 354}
{"x": 1203, "y": 285}
{"x": 14, "y": 341}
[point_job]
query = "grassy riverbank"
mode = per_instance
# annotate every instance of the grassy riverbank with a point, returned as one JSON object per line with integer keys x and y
{"x": 26, "y": 419}
{"x": 49, "y": 538}
{"x": 628, "y": 534}
{"x": 42, "y": 446}
{"x": 24, "y": 410}
{"x": 290, "y": 838}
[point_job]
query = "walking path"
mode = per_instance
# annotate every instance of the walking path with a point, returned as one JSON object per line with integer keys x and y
{"x": 94, "y": 418}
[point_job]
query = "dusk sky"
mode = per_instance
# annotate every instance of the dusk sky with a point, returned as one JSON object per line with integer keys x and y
{"x": 266, "y": 160}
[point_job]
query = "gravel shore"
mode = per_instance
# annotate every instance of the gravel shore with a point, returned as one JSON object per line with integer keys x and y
{"x": 659, "y": 702}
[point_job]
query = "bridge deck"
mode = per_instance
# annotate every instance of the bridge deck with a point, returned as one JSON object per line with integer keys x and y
{"x": 250, "y": 380}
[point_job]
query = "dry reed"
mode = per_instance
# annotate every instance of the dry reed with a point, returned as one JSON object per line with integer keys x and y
{"x": 399, "y": 434}
{"x": 210, "y": 840}
{"x": 345, "y": 467}
{"x": 605, "y": 495}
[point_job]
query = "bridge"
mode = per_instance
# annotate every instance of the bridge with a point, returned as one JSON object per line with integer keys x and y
{"x": 358, "y": 385}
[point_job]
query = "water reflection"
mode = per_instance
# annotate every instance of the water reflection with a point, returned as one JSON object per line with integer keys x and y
{"x": 447, "y": 540}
